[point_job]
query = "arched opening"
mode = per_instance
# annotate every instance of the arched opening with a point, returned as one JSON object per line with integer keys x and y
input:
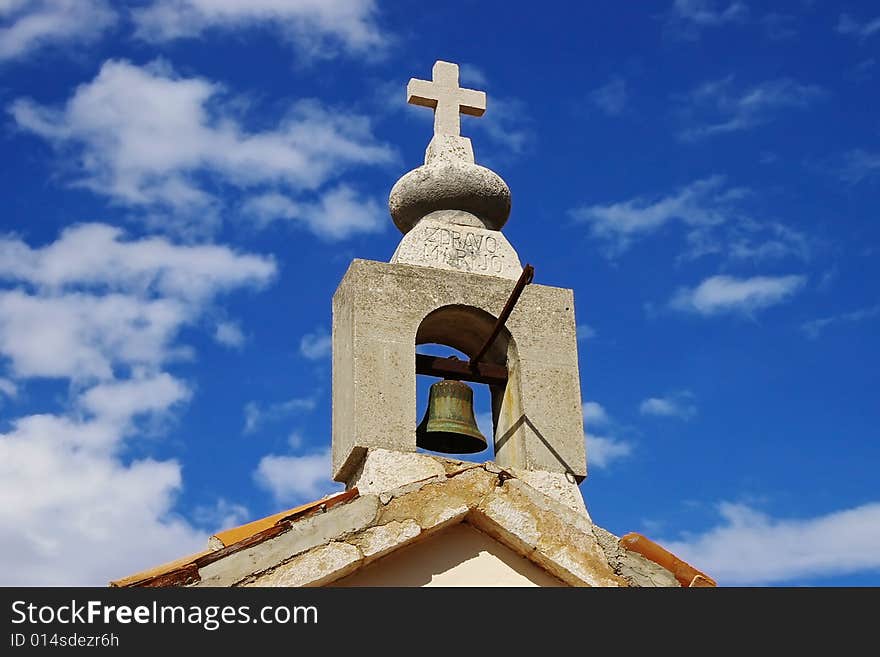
{"x": 482, "y": 404}
{"x": 461, "y": 331}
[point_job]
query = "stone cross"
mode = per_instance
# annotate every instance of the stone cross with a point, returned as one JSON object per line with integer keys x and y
{"x": 446, "y": 98}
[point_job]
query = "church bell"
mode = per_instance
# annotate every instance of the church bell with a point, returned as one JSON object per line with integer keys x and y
{"x": 449, "y": 425}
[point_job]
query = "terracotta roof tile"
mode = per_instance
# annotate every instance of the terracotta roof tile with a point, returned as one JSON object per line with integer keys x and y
{"x": 700, "y": 581}
{"x": 186, "y": 570}
{"x": 157, "y": 571}
{"x": 686, "y": 574}
{"x": 230, "y": 536}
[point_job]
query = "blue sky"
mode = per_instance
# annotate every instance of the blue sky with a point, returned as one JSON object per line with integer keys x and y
{"x": 185, "y": 183}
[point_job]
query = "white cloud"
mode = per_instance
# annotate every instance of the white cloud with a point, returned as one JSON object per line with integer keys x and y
{"x": 686, "y": 19}
{"x": 315, "y": 27}
{"x": 506, "y": 124}
{"x": 850, "y": 26}
{"x": 317, "y": 345}
{"x": 594, "y": 414}
{"x": 585, "y": 332}
{"x": 720, "y": 294}
{"x": 73, "y": 514}
{"x": 256, "y": 414}
{"x": 28, "y": 25}
{"x": 612, "y": 97}
{"x": 813, "y": 328}
{"x": 229, "y": 334}
{"x": 339, "y": 213}
{"x": 86, "y": 336}
{"x": 859, "y": 165}
{"x": 715, "y": 218}
{"x": 222, "y": 515}
{"x": 658, "y": 406}
{"x": 156, "y": 142}
{"x": 296, "y": 479}
{"x": 99, "y": 256}
{"x": 295, "y": 440}
{"x": 678, "y": 405}
{"x": 8, "y": 388}
{"x": 716, "y": 107}
{"x": 602, "y": 451}
{"x": 750, "y": 548}
{"x": 864, "y": 70}
{"x": 120, "y": 402}
{"x": 708, "y": 13}
{"x": 743, "y": 239}
{"x": 701, "y": 203}
{"x": 101, "y": 302}
{"x": 473, "y": 76}
{"x": 758, "y": 241}
{"x": 105, "y": 313}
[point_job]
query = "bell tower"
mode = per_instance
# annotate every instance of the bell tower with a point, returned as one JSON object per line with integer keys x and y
{"x": 454, "y": 280}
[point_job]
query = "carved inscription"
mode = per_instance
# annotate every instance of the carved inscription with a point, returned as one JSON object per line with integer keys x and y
{"x": 462, "y": 249}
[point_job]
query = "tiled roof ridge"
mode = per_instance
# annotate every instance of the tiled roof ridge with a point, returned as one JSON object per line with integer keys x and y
{"x": 190, "y": 570}
{"x": 685, "y": 573}
{"x": 185, "y": 571}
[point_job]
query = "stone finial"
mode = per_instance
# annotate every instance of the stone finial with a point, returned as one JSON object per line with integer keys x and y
{"x": 449, "y": 187}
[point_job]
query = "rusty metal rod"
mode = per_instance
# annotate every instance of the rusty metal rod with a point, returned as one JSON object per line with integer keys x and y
{"x": 524, "y": 279}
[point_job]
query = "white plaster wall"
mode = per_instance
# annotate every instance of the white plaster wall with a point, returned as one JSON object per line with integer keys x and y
{"x": 458, "y": 556}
